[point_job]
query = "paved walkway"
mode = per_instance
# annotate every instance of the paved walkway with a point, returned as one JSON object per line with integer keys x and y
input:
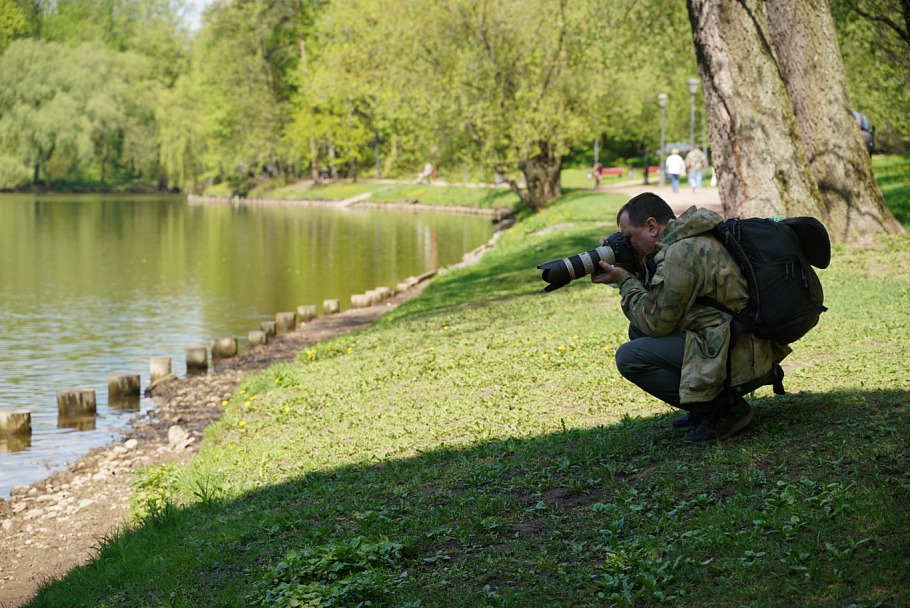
{"x": 680, "y": 201}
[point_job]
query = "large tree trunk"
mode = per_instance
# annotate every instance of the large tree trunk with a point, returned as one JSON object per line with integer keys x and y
{"x": 805, "y": 41}
{"x": 759, "y": 158}
{"x": 542, "y": 176}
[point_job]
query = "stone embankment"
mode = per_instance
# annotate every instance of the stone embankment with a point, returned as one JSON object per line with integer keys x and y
{"x": 361, "y": 201}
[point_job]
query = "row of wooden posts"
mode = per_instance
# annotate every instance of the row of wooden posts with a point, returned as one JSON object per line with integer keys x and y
{"x": 79, "y": 404}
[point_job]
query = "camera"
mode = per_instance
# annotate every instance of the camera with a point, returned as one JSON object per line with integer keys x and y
{"x": 559, "y": 273}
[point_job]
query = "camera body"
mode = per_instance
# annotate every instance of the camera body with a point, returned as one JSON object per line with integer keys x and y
{"x": 561, "y": 272}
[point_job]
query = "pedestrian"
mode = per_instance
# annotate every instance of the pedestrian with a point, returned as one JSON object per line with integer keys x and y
{"x": 675, "y": 167}
{"x": 678, "y": 349}
{"x": 595, "y": 173}
{"x": 696, "y": 164}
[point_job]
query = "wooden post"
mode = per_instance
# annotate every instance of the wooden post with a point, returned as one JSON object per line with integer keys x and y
{"x": 306, "y": 312}
{"x": 268, "y": 327}
{"x": 360, "y": 300}
{"x": 384, "y": 292}
{"x": 257, "y": 338}
{"x": 122, "y": 385}
{"x": 197, "y": 359}
{"x": 331, "y": 307}
{"x": 18, "y": 422}
{"x": 76, "y": 402}
{"x": 224, "y": 348}
{"x": 285, "y": 322}
{"x": 159, "y": 367}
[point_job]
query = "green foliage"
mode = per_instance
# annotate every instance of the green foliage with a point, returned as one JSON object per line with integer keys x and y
{"x": 13, "y": 174}
{"x": 346, "y": 573}
{"x": 76, "y": 113}
{"x": 155, "y": 491}
{"x": 13, "y": 23}
{"x": 875, "y": 44}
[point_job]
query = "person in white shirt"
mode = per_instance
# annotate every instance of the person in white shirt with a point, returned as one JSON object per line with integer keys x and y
{"x": 675, "y": 166}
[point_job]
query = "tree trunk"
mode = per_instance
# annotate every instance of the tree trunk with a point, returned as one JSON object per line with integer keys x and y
{"x": 805, "y": 41}
{"x": 759, "y": 159}
{"x": 542, "y": 176}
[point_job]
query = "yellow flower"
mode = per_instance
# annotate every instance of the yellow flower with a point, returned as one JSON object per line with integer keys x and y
{"x": 561, "y": 347}
{"x": 543, "y": 356}
{"x": 243, "y": 391}
{"x": 224, "y": 403}
{"x": 241, "y": 423}
{"x": 446, "y": 327}
{"x": 350, "y": 349}
{"x": 286, "y": 409}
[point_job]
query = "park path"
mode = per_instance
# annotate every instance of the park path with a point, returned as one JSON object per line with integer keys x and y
{"x": 678, "y": 201}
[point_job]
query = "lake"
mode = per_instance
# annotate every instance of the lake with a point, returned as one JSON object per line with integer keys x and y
{"x": 99, "y": 284}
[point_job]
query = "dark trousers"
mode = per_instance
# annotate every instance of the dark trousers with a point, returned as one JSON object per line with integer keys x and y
{"x": 655, "y": 366}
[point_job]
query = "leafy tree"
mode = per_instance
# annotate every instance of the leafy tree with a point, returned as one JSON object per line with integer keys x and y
{"x": 14, "y": 23}
{"x": 85, "y": 108}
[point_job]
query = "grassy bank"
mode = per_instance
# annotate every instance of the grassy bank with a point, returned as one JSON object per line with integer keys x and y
{"x": 477, "y": 447}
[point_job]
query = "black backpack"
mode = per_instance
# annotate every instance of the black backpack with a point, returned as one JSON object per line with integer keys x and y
{"x": 776, "y": 259}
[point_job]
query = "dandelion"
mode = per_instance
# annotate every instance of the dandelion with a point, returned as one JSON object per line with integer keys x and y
{"x": 243, "y": 391}
{"x": 543, "y": 356}
{"x": 561, "y": 347}
{"x": 445, "y": 327}
{"x": 241, "y": 423}
{"x": 224, "y": 403}
{"x": 310, "y": 354}
{"x": 286, "y": 409}
{"x": 350, "y": 349}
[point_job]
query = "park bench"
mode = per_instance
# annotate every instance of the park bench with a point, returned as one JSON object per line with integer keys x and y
{"x": 611, "y": 171}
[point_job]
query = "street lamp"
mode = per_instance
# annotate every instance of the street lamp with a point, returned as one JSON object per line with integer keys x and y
{"x": 662, "y": 102}
{"x": 693, "y": 89}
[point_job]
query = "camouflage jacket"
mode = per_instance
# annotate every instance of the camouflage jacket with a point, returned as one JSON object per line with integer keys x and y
{"x": 689, "y": 263}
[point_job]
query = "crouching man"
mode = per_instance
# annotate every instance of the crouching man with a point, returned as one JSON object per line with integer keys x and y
{"x": 678, "y": 349}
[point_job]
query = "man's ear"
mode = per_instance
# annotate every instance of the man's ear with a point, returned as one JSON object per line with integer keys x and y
{"x": 653, "y": 226}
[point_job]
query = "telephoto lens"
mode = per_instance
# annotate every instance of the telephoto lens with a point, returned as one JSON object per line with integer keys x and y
{"x": 561, "y": 272}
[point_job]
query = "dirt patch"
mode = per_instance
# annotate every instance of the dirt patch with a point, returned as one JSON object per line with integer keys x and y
{"x": 51, "y": 526}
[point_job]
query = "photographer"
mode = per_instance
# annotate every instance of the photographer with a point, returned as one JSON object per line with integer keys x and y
{"x": 678, "y": 349}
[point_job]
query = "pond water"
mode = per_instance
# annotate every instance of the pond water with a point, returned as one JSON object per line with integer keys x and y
{"x": 99, "y": 284}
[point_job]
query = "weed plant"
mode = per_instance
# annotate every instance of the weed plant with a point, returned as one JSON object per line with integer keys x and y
{"x": 477, "y": 447}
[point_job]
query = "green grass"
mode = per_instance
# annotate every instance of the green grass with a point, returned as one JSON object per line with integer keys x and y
{"x": 477, "y": 447}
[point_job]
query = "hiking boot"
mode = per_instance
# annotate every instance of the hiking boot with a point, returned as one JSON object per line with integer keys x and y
{"x": 688, "y": 419}
{"x": 723, "y": 424}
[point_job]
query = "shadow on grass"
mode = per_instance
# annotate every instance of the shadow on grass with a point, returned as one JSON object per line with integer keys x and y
{"x": 536, "y": 519}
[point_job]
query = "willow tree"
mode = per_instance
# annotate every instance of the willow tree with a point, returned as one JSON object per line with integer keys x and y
{"x": 778, "y": 109}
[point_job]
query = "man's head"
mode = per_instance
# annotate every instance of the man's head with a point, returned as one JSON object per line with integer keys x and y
{"x": 643, "y": 220}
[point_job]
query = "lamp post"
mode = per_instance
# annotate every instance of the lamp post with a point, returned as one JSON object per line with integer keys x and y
{"x": 693, "y": 89}
{"x": 662, "y": 102}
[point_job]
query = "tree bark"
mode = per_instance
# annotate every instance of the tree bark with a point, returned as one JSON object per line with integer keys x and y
{"x": 542, "y": 173}
{"x": 759, "y": 158}
{"x": 805, "y": 41}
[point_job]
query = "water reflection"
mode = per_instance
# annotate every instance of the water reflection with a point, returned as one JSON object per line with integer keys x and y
{"x": 106, "y": 283}
{"x": 77, "y": 422}
{"x": 15, "y": 443}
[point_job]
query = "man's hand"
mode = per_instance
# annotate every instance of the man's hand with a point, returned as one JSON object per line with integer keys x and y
{"x": 608, "y": 273}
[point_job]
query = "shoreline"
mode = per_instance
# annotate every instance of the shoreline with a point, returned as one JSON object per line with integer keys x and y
{"x": 497, "y": 214}
{"x": 55, "y": 524}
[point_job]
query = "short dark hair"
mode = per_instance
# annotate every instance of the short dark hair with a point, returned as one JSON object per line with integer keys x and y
{"x": 645, "y": 205}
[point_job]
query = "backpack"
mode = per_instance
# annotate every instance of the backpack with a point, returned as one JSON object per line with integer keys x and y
{"x": 785, "y": 294}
